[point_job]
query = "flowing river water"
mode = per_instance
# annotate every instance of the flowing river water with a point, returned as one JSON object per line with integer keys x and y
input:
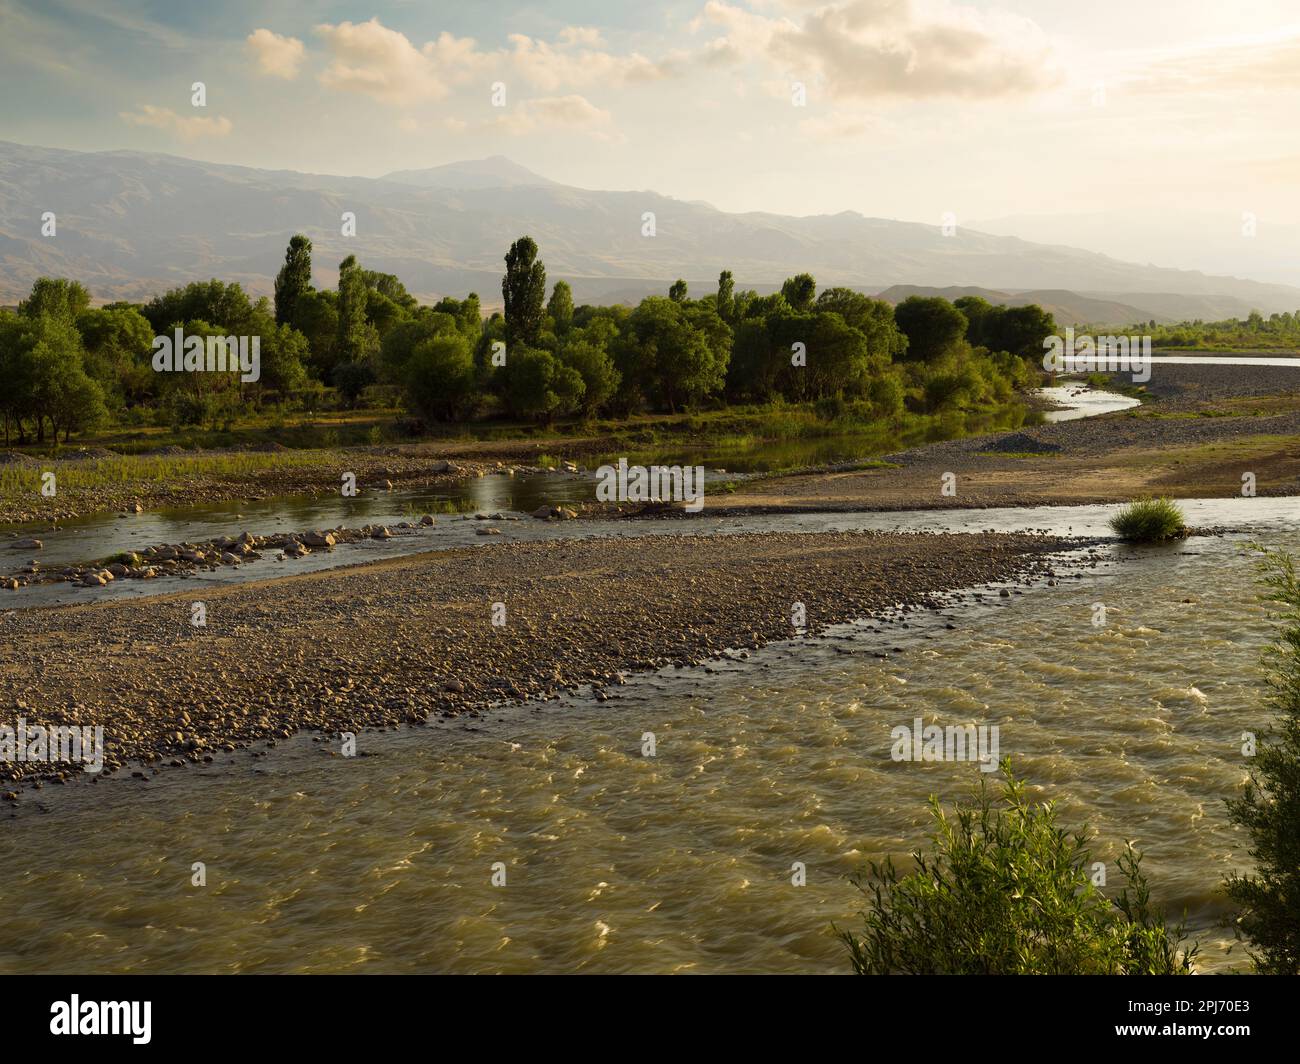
{"x": 615, "y": 861}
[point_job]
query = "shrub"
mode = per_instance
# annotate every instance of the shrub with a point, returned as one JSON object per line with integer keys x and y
{"x": 1007, "y": 892}
{"x": 1269, "y": 806}
{"x": 1149, "y": 521}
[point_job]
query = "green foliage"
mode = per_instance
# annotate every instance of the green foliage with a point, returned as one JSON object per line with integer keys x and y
{"x": 840, "y": 348}
{"x": 672, "y": 353}
{"x": 351, "y": 379}
{"x": 523, "y": 289}
{"x": 560, "y": 308}
{"x": 799, "y": 292}
{"x": 537, "y": 386}
{"x": 1254, "y": 332}
{"x": 353, "y": 341}
{"x": 725, "y": 302}
{"x": 1269, "y": 805}
{"x": 55, "y": 297}
{"x": 933, "y": 326}
{"x": 592, "y": 362}
{"x": 42, "y": 362}
{"x": 439, "y": 377}
{"x": 210, "y": 301}
{"x": 1007, "y": 892}
{"x": 293, "y": 280}
{"x": 1149, "y": 521}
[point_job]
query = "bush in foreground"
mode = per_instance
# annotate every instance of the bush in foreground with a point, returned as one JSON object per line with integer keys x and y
{"x": 1269, "y": 806}
{"x": 1149, "y": 521}
{"x": 1007, "y": 892}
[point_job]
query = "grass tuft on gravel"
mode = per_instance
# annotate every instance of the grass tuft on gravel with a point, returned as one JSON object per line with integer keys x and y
{"x": 1149, "y": 521}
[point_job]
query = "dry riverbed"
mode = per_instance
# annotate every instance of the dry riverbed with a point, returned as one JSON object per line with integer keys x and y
{"x": 393, "y": 642}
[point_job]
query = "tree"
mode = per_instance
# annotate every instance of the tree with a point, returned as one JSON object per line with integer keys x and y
{"x": 57, "y": 297}
{"x": 672, "y": 354}
{"x": 977, "y": 310}
{"x": 226, "y": 306}
{"x": 118, "y": 342}
{"x": 560, "y": 308}
{"x": 439, "y": 377}
{"x": 318, "y": 321}
{"x": 677, "y": 291}
{"x": 351, "y": 311}
{"x": 1269, "y": 805}
{"x": 536, "y": 385}
{"x": 524, "y": 290}
{"x": 293, "y": 280}
{"x": 932, "y": 326}
{"x": 799, "y": 291}
{"x": 50, "y": 377}
{"x": 284, "y": 356}
{"x": 1018, "y": 330}
{"x": 873, "y": 318}
{"x": 592, "y": 362}
{"x": 351, "y": 379}
{"x": 726, "y": 302}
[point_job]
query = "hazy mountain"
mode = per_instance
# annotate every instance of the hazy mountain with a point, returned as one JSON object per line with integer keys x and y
{"x": 131, "y": 224}
{"x": 494, "y": 172}
{"x": 1194, "y": 240}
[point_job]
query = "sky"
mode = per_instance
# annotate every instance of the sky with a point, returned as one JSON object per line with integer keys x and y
{"x": 905, "y": 109}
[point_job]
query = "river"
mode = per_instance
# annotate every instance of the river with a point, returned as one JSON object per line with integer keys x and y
{"x": 615, "y": 861}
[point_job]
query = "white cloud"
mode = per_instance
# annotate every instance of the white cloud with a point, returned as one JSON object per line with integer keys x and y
{"x": 865, "y": 49}
{"x": 185, "y": 127}
{"x": 277, "y": 57}
{"x": 558, "y": 112}
{"x": 371, "y": 59}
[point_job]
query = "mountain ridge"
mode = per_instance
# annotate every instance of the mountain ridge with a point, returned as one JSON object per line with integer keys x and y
{"x": 131, "y": 224}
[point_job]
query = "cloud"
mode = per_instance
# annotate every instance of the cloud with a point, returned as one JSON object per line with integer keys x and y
{"x": 277, "y": 57}
{"x": 371, "y": 59}
{"x": 1264, "y": 64}
{"x": 185, "y": 127}
{"x": 838, "y": 126}
{"x": 867, "y": 49}
{"x": 584, "y": 35}
{"x": 551, "y": 69}
{"x": 558, "y": 112}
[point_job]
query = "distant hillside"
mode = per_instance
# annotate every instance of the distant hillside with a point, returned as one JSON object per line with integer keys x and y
{"x": 131, "y": 224}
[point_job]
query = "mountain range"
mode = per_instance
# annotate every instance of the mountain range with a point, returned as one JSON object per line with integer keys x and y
{"x": 131, "y": 224}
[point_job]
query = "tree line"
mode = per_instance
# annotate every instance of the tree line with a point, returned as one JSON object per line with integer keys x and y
{"x": 71, "y": 367}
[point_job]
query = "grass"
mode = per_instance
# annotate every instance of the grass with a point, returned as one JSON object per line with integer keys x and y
{"x": 145, "y": 470}
{"x": 440, "y": 506}
{"x": 1149, "y": 521}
